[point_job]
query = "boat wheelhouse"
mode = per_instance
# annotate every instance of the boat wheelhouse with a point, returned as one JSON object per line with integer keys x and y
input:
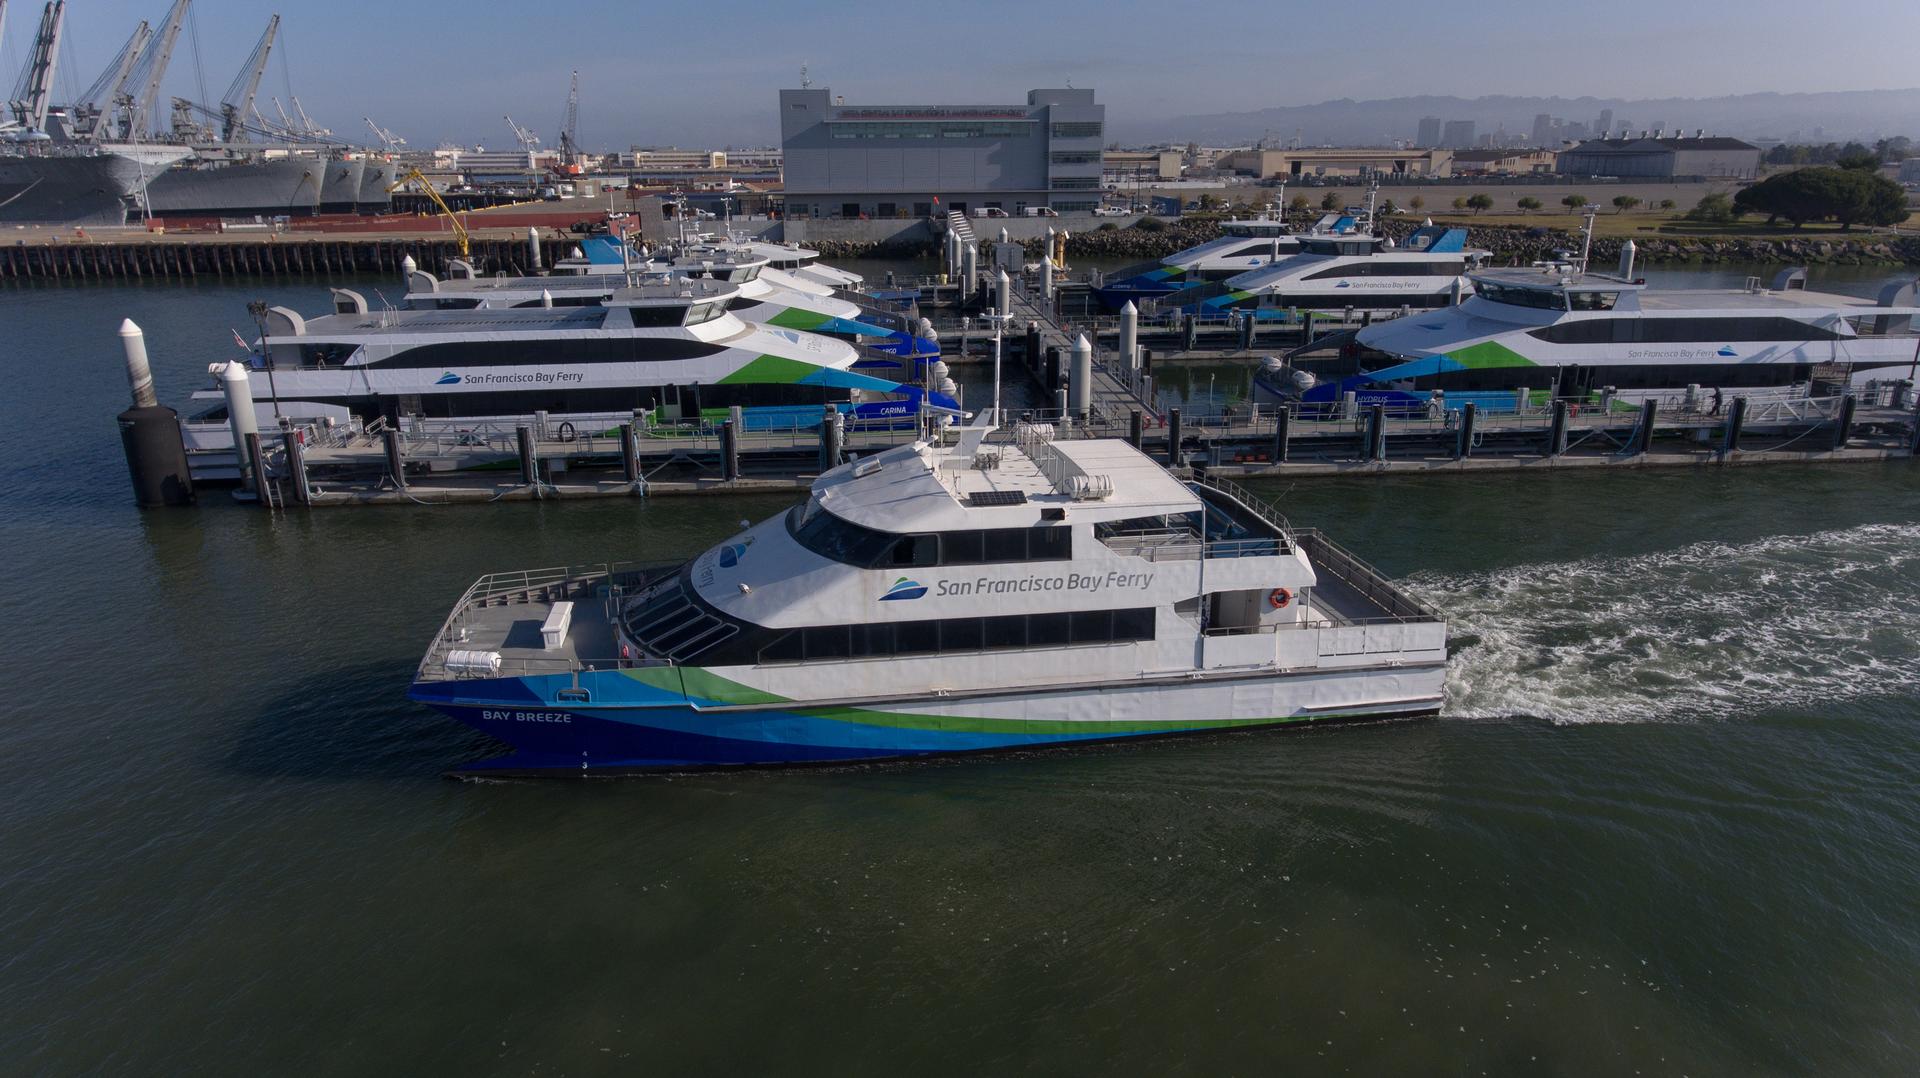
{"x": 1360, "y": 271}
{"x": 672, "y": 349}
{"x": 1555, "y": 331}
{"x": 938, "y": 599}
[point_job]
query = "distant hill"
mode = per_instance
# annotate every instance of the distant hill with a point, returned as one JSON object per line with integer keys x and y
{"x": 1862, "y": 114}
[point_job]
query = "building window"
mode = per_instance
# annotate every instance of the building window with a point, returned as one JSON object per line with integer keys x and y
{"x": 849, "y": 209}
{"x": 923, "y": 209}
{"x": 1075, "y": 183}
{"x": 1076, "y": 129}
{"x": 884, "y": 209}
{"x": 1074, "y": 207}
{"x": 1074, "y": 157}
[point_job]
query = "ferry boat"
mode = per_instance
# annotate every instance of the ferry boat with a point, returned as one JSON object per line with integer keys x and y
{"x": 1557, "y": 331}
{"x": 758, "y": 301}
{"x": 1243, "y": 245}
{"x": 1361, "y": 271}
{"x": 853, "y": 315}
{"x": 935, "y": 599}
{"x": 672, "y": 349}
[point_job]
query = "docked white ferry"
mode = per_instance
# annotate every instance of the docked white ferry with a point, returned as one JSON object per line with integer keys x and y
{"x": 1243, "y": 244}
{"x": 1568, "y": 334}
{"x": 1361, "y": 271}
{"x": 940, "y": 599}
{"x": 672, "y": 349}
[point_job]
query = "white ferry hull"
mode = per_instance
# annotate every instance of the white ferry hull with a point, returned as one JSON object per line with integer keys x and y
{"x": 670, "y": 722}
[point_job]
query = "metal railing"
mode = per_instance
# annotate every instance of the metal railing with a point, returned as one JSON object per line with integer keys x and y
{"x": 1330, "y": 558}
{"x": 536, "y": 586}
{"x": 1253, "y": 503}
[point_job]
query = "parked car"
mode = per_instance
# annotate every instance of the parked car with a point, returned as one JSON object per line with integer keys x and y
{"x": 1110, "y": 211}
{"x": 990, "y": 211}
{"x": 1042, "y": 211}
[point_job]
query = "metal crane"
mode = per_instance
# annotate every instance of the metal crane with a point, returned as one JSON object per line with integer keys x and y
{"x": 387, "y": 138}
{"x": 570, "y": 126}
{"x": 92, "y": 109}
{"x": 137, "y": 110}
{"x": 35, "y": 91}
{"x": 413, "y": 175}
{"x": 527, "y": 138}
{"x": 237, "y": 106}
{"x": 307, "y": 125}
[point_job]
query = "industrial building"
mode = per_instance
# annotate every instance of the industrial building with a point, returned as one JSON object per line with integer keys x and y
{"x": 1124, "y": 168}
{"x": 1300, "y": 164}
{"x": 880, "y": 161}
{"x": 1514, "y": 162}
{"x": 1659, "y": 156}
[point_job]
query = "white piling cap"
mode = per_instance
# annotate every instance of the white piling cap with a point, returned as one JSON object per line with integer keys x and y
{"x": 1080, "y": 344}
{"x": 408, "y": 265}
{"x": 1003, "y": 274}
{"x": 129, "y": 329}
{"x": 1129, "y": 308}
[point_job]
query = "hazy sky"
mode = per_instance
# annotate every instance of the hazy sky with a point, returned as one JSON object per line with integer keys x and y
{"x": 697, "y": 74}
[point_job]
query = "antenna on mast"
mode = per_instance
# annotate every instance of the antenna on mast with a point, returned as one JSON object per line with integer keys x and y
{"x": 805, "y": 82}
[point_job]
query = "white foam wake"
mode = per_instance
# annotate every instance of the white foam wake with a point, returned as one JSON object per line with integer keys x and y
{"x": 1708, "y": 629}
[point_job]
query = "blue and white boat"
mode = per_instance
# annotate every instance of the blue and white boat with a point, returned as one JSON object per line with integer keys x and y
{"x": 1334, "y": 272}
{"x": 1244, "y": 244}
{"x": 936, "y": 599}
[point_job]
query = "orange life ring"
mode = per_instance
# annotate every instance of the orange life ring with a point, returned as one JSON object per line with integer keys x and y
{"x": 1279, "y": 598}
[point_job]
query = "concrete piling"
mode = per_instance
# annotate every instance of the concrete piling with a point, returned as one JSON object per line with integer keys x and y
{"x": 629, "y": 453}
{"x": 1557, "y": 431}
{"x": 1643, "y": 435}
{"x": 1282, "y": 432}
{"x": 1173, "y": 438}
{"x": 150, "y": 433}
{"x": 297, "y": 482}
{"x": 1136, "y": 427}
{"x": 1082, "y": 378}
{"x": 396, "y": 462}
{"x": 1736, "y": 419}
{"x": 529, "y": 466}
{"x": 1129, "y": 337}
{"x": 256, "y": 476}
{"x": 1843, "y": 427}
{"x": 1376, "y": 449}
{"x": 830, "y": 435}
{"x": 1463, "y": 445}
{"x": 730, "y": 451}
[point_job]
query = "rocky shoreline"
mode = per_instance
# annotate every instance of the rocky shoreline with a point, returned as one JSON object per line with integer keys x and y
{"x": 1509, "y": 244}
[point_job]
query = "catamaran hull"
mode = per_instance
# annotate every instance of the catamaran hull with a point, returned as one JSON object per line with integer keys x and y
{"x": 552, "y": 737}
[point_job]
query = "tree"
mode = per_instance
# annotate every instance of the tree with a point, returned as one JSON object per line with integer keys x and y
{"x": 1573, "y": 202}
{"x": 1667, "y": 204}
{"x": 1476, "y": 203}
{"x": 1416, "y": 203}
{"x": 1623, "y": 203}
{"x": 1460, "y": 203}
{"x": 1210, "y": 202}
{"x": 1529, "y": 203}
{"x": 1713, "y": 209}
{"x": 1332, "y": 201}
{"x": 1298, "y": 204}
{"x": 1847, "y": 195}
{"x": 1388, "y": 209}
{"x": 1859, "y": 162}
{"x": 1897, "y": 148}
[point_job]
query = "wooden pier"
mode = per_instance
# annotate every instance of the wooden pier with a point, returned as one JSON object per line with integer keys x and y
{"x": 256, "y": 254}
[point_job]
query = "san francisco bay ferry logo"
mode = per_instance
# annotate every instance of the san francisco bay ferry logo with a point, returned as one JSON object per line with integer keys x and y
{"x": 904, "y": 589}
{"x": 448, "y": 379}
{"x": 1726, "y": 350}
{"x": 730, "y": 555}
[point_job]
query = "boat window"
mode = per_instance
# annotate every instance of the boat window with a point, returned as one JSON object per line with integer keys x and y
{"x": 1387, "y": 268}
{"x": 653, "y": 315}
{"x": 914, "y": 551}
{"x": 827, "y": 643}
{"x": 705, "y": 312}
{"x": 840, "y": 540}
{"x": 326, "y": 355}
{"x": 1593, "y": 301}
{"x": 1514, "y": 296}
{"x": 1628, "y": 329}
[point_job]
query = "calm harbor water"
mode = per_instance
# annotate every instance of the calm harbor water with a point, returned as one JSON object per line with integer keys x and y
{"x": 1669, "y": 824}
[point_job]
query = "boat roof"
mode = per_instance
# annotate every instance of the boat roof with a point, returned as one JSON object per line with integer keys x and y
{"x": 681, "y": 291}
{"x": 1556, "y": 279}
{"x": 923, "y": 487}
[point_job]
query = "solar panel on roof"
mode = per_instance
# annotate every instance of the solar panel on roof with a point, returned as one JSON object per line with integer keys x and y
{"x": 997, "y": 497}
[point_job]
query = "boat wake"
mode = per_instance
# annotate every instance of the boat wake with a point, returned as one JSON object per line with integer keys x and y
{"x": 1708, "y": 629}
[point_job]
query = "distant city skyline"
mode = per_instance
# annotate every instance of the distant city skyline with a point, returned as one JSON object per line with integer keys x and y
{"x": 647, "y": 78}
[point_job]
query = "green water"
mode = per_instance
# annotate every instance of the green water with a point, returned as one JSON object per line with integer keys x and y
{"x": 1669, "y": 824}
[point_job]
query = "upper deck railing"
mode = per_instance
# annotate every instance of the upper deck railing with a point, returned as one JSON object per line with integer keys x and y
{"x": 611, "y": 581}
